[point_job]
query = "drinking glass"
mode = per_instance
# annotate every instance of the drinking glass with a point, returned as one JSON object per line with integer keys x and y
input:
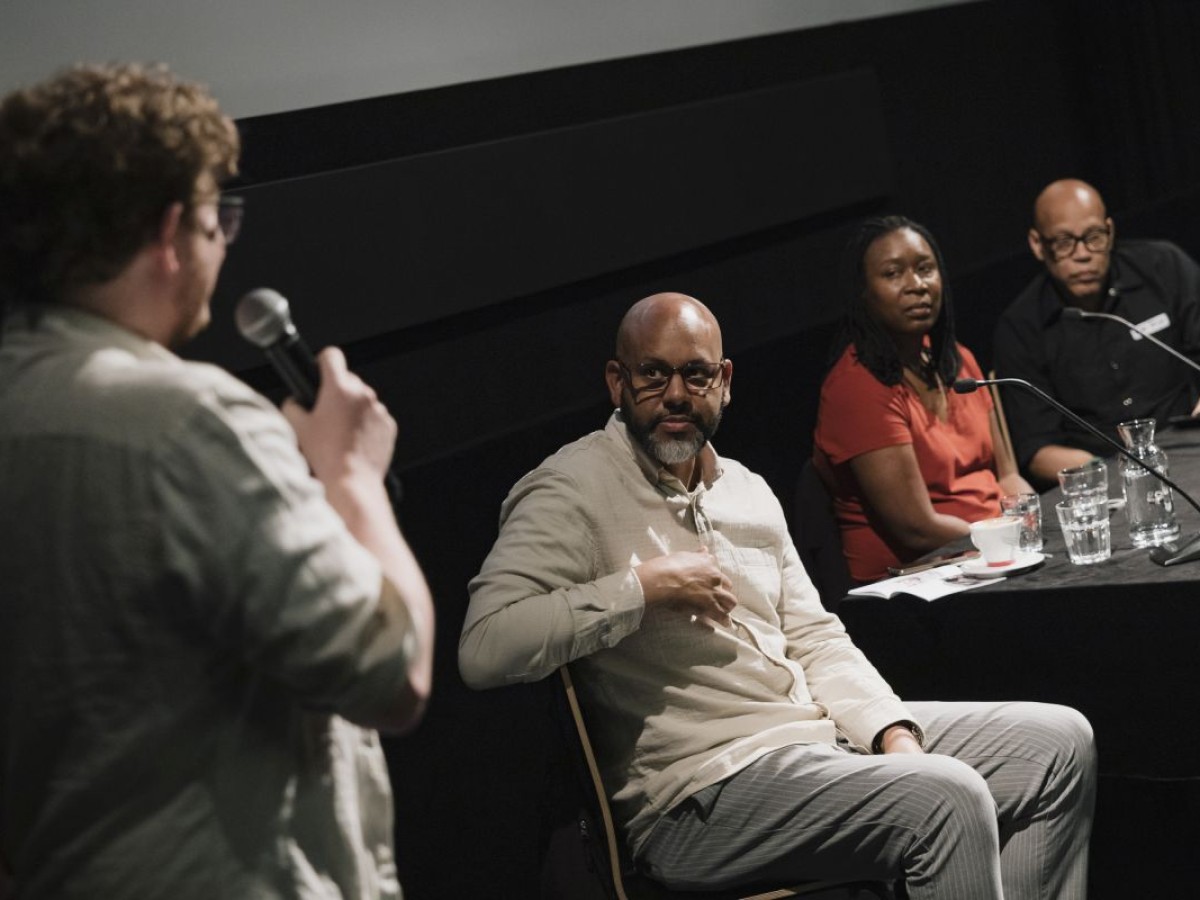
{"x": 1088, "y": 482}
{"x": 1086, "y": 530}
{"x": 1027, "y": 508}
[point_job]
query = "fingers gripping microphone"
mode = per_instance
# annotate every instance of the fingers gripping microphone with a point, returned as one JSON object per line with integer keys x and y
{"x": 264, "y": 319}
{"x": 1166, "y": 555}
{"x": 1073, "y": 312}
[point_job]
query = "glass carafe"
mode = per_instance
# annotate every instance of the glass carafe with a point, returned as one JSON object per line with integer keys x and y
{"x": 1148, "y": 504}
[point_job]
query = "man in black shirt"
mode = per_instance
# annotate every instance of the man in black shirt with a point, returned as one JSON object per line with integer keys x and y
{"x": 1097, "y": 368}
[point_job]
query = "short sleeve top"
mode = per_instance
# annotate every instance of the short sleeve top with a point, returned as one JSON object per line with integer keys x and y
{"x": 858, "y": 414}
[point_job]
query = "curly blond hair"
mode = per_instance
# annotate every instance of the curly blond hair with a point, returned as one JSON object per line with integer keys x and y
{"x": 89, "y": 162}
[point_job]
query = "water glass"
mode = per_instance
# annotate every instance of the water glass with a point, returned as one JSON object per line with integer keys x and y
{"x": 1027, "y": 508}
{"x": 1088, "y": 482}
{"x": 1086, "y": 530}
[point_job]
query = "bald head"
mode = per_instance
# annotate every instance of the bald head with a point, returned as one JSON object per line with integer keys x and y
{"x": 653, "y": 317}
{"x": 1072, "y": 236}
{"x": 1066, "y": 198}
{"x": 670, "y": 379}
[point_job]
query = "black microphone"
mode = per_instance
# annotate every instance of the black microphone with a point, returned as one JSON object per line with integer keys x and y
{"x": 264, "y": 318}
{"x": 1170, "y": 554}
{"x": 1074, "y": 312}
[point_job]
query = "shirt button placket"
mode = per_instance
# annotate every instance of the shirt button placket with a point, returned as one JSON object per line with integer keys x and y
{"x": 703, "y": 525}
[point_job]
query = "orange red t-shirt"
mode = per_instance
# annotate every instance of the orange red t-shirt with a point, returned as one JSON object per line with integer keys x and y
{"x": 858, "y": 414}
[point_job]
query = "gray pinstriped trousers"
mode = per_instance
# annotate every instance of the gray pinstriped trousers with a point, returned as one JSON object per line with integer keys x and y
{"x": 999, "y": 807}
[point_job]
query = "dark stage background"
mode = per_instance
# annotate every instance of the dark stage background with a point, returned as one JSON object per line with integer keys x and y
{"x": 474, "y": 246}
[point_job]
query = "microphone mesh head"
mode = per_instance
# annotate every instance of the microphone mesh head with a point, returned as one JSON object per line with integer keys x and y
{"x": 263, "y": 317}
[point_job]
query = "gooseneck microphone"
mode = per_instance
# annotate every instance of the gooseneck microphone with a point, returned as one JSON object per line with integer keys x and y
{"x": 1074, "y": 312}
{"x": 1170, "y": 554}
{"x": 264, "y": 318}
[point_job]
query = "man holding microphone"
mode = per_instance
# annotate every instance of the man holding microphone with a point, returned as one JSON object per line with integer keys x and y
{"x": 207, "y": 609}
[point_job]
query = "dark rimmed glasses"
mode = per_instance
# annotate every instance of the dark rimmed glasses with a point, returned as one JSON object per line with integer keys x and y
{"x": 230, "y": 211}
{"x": 1061, "y": 246}
{"x": 652, "y": 378}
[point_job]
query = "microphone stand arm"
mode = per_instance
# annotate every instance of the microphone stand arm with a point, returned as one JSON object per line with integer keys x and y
{"x": 1168, "y": 554}
{"x": 1146, "y": 335}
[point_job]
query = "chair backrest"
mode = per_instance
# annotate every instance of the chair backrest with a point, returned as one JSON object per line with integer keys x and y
{"x": 609, "y": 841}
{"x": 628, "y": 884}
{"x": 1005, "y": 436}
{"x": 818, "y": 538}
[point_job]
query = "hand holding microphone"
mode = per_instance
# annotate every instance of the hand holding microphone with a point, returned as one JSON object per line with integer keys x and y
{"x": 265, "y": 320}
{"x": 342, "y": 428}
{"x": 348, "y": 432}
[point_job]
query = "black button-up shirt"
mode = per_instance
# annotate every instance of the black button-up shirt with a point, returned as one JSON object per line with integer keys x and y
{"x": 1096, "y": 367}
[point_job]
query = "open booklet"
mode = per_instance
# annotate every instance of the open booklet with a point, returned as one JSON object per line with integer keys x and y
{"x": 928, "y": 585}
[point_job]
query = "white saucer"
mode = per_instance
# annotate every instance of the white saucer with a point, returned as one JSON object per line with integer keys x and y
{"x": 1025, "y": 560}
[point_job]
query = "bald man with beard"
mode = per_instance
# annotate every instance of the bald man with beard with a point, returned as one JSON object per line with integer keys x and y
{"x": 1095, "y": 367}
{"x": 742, "y": 737}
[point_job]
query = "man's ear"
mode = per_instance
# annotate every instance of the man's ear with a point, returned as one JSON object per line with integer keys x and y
{"x": 166, "y": 250}
{"x": 612, "y": 377}
{"x": 727, "y": 389}
{"x": 1035, "y": 245}
{"x": 1112, "y": 230}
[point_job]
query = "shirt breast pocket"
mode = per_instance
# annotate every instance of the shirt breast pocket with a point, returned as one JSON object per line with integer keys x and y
{"x": 757, "y": 580}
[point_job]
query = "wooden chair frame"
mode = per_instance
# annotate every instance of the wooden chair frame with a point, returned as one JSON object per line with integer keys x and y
{"x": 630, "y": 886}
{"x": 1006, "y": 436}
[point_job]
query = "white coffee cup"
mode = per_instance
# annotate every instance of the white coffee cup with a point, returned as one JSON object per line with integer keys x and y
{"x": 997, "y": 539}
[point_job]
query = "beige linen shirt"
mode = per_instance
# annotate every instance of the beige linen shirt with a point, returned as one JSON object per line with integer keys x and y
{"x": 183, "y": 623}
{"x": 681, "y": 705}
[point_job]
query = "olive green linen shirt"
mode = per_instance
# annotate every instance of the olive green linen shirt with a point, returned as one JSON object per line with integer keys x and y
{"x": 680, "y": 704}
{"x": 184, "y": 621}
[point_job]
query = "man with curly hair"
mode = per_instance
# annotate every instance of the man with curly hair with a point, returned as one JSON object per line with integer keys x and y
{"x": 198, "y": 637}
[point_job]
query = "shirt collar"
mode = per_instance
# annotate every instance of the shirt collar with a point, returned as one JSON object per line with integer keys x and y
{"x": 82, "y": 326}
{"x": 655, "y": 472}
{"x": 1123, "y": 278}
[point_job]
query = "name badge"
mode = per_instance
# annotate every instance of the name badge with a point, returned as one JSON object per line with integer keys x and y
{"x": 1151, "y": 326}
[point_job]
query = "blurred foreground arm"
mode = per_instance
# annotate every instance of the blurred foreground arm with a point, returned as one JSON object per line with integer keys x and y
{"x": 347, "y": 439}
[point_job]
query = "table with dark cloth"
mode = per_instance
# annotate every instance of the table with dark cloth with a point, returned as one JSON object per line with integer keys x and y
{"x": 1118, "y": 640}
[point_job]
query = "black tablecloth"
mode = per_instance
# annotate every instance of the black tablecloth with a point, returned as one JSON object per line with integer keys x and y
{"x": 1118, "y": 640}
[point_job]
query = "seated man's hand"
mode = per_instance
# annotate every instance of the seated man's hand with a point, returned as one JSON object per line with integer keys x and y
{"x": 899, "y": 739}
{"x": 690, "y": 581}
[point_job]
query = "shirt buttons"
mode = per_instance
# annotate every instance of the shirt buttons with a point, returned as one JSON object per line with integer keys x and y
{"x": 1114, "y": 365}
{"x": 1128, "y": 401}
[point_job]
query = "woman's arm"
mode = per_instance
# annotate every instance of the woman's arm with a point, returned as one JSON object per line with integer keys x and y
{"x": 894, "y": 490}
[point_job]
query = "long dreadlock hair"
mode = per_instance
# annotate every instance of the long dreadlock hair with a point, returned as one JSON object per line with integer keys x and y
{"x": 872, "y": 343}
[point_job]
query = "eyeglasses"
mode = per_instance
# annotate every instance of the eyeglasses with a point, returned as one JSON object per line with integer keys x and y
{"x": 652, "y": 378}
{"x": 230, "y": 211}
{"x": 1097, "y": 240}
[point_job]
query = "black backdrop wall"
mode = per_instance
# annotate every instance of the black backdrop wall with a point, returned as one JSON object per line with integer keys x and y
{"x": 473, "y": 248}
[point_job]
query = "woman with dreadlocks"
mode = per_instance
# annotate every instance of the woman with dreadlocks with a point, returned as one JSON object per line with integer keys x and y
{"x": 909, "y": 462}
